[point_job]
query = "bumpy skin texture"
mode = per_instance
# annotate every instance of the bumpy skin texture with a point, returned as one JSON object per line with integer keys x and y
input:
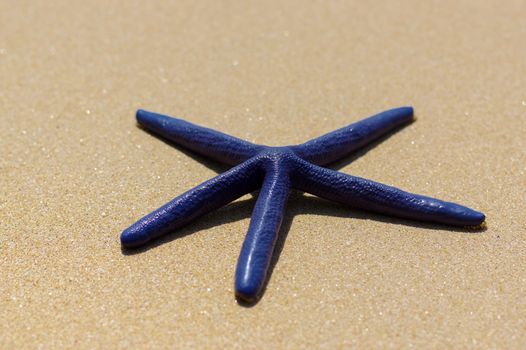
{"x": 277, "y": 170}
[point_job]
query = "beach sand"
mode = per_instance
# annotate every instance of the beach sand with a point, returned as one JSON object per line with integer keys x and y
{"x": 76, "y": 170}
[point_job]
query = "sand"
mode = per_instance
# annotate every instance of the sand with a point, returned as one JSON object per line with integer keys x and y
{"x": 76, "y": 170}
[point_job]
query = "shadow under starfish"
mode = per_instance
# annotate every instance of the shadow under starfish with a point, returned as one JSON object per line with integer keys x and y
{"x": 278, "y": 170}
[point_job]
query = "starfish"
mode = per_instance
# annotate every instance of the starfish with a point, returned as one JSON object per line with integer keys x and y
{"x": 278, "y": 170}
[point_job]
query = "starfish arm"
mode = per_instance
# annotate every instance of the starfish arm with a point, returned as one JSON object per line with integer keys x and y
{"x": 207, "y": 142}
{"x": 377, "y": 197}
{"x": 194, "y": 203}
{"x": 339, "y": 143}
{"x": 258, "y": 247}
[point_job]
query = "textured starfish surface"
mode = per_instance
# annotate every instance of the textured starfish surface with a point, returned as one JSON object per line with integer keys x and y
{"x": 277, "y": 170}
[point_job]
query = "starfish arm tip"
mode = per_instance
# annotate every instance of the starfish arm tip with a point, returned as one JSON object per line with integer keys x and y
{"x": 465, "y": 216}
{"x": 133, "y": 237}
{"x": 144, "y": 117}
{"x": 153, "y": 122}
{"x": 448, "y": 213}
{"x": 400, "y": 115}
{"x": 409, "y": 111}
{"x": 246, "y": 290}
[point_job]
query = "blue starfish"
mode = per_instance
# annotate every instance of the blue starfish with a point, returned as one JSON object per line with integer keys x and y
{"x": 277, "y": 170}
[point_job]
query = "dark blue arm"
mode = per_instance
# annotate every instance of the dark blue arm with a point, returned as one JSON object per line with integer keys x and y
{"x": 339, "y": 143}
{"x": 208, "y": 196}
{"x": 258, "y": 247}
{"x": 207, "y": 142}
{"x": 374, "y": 196}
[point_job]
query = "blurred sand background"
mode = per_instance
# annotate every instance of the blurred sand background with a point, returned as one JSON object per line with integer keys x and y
{"x": 76, "y": 170}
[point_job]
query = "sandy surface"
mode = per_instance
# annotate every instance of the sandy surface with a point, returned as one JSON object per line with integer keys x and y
{"x": 75, "y": 171}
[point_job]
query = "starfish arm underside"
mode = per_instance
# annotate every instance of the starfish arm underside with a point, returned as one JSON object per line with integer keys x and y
{"x": 207, "y": 142}
{"x": 380, "y": 198}
{"x": 339, "y": 143}
{"x": 258, "y": 247}
{"x": 200, "y": 200}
